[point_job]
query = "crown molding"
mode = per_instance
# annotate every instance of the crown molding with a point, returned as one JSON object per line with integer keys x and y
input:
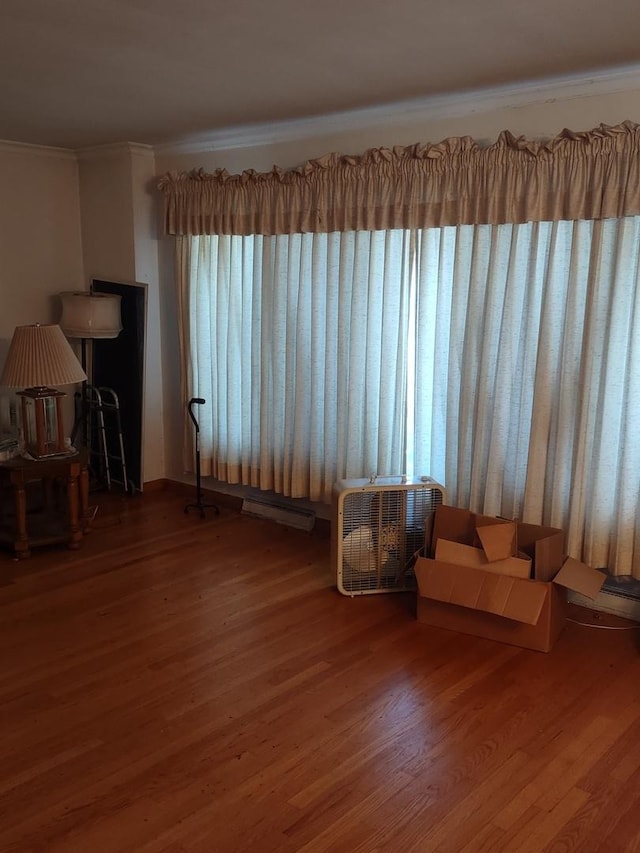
{"x": 94, "y": 152}
{"x": 454, "y": 105}
{"x": 90, "y": 153}
{"x": 10, "y": 147}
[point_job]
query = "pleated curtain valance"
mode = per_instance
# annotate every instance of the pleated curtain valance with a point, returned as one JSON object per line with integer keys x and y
{"x": 587, "y": 175}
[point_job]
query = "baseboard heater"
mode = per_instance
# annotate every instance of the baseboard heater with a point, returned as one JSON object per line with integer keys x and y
{"x": 616, "y": 603}
{"x": 302, "y": 519}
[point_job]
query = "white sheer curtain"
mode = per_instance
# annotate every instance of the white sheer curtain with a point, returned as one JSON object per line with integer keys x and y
{"x": 502, "y": 360}
{"x": 527, "y": 387}
{"x": 298, "y": 345}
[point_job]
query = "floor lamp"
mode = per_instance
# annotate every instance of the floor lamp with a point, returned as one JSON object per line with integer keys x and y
{"x": 89, "y": 316}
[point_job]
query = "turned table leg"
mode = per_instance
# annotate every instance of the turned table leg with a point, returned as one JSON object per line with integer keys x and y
{"x": 75, "y": 534}
{"x": 47, "y": 525}
{"x": 21, "y": 542}
{"x": 85, "y": 518}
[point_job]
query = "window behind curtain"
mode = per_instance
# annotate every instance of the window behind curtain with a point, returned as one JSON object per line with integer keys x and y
{"x": 500, "y": 359}
{"x": 298, "y": 343}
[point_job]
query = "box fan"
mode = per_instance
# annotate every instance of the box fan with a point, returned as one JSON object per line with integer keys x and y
{"x": 378, "y": 528}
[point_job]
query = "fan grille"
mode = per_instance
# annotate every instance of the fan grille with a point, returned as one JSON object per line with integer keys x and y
{"x": 379, "y": 533}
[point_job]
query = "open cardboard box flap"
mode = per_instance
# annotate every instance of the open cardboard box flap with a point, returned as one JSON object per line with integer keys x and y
{"x": 580, "y": 578}
{"x": 544, "y": 545}
{"x": 475, "y": 558}
{"x": 512, "y": 598}
{"x": 456, "y": 525}
{"x": 499, "y": 541}
{"x": 463, "y": 526}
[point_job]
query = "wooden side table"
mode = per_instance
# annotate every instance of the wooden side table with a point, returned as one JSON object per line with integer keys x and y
{"x": 45, "y": 528}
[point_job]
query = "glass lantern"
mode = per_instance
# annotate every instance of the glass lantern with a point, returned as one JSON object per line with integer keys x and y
{"x": 42, "y": 422}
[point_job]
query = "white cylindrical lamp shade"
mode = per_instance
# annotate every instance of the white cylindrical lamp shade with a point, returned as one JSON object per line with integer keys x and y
{"x": 90, "y": 315}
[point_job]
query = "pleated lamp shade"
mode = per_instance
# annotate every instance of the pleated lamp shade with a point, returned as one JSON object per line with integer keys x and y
{"x": 40, "y": 357}
{"x": 90, "y": 315}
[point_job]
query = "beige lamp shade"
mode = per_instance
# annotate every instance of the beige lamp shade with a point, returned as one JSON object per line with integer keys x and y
{"x": 90, "y": 315}
{"x": 40, "y": 356}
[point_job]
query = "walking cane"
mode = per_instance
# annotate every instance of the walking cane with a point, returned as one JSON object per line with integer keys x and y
{"x": 200, "y": 505}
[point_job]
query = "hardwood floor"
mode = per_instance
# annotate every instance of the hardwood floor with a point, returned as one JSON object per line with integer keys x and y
{"x": 187, "y": 685}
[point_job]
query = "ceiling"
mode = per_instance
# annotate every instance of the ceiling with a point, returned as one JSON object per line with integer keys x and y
{"x": 78, "y": 73}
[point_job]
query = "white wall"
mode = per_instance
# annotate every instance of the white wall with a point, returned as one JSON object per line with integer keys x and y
{"x": 65, "y": 219}
{"x": 40, "y": 237}
{"x": 119, "y": 235}
{"x": 40, "y": 242}
{"x": 535, "y": 121}
{"x": 145, "y": 235}
{"x": 107, "y": 214}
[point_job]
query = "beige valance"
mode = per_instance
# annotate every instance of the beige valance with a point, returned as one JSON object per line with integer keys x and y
{"x": 587, "y": 175}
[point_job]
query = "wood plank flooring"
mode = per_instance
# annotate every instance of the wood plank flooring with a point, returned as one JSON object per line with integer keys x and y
{"x": 189, "y": 686}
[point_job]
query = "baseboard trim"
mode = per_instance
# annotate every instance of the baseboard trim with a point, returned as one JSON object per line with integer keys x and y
{"x": 155, "y": 485}
{"x": 210, "y": 495}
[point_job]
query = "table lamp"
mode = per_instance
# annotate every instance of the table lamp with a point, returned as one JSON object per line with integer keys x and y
{"x": 40, "y": 357}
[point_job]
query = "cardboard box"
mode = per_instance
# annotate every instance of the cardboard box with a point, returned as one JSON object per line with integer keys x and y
{"x": 539, "y": 637}
{"x": 471, "y": 599}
